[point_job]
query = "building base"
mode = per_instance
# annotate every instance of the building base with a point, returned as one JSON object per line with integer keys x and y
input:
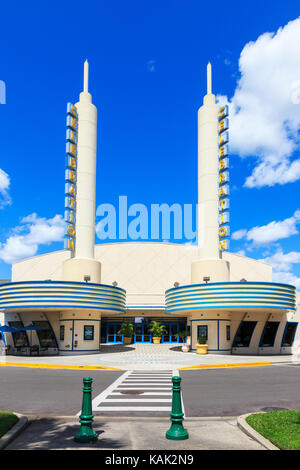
{"x": 82, "y": 270}
{"x": 210, "y": 270}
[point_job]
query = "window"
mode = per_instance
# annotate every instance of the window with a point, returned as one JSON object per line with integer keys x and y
{"x": 88, "y": 332}
{"x": 45, "y": 335}
{"x": 269, "y": 334}
{"x": 244, "y": 334}
{"x": 202, "y": 331}
{"x": 19, "y": 337}
{"x": 62, "y": 332}
{"x": 228, "y": 332}
{"x": 289, "y": 334}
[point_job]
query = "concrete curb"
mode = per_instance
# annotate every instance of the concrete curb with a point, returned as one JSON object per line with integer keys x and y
{"x": 14, "y": 431}
{"x": 244, "y": 426}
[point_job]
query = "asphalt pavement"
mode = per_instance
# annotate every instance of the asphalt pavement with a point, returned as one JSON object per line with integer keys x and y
{"x": 215, "y": 392}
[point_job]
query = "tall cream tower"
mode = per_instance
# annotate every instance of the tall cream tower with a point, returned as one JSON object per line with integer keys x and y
{"x": 209, "y": 265}
{"x": 83, "y": 266}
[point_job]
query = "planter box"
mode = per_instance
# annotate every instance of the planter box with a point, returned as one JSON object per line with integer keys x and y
{"x": 156, "y": 339}
{"x": 202, "y": 348}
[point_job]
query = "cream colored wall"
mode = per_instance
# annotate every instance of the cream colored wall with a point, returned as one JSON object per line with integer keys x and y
{"x": 213, "y": 320}
{"x": 77, "y": 320}
{"x": 144, "y": 270}
{"x": 247, "y": 268}
{"x": 40, "y": 268}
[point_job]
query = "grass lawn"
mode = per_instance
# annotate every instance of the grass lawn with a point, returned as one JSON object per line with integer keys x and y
{"x": 7, "y": 420}
{"x": 282, "y": 428}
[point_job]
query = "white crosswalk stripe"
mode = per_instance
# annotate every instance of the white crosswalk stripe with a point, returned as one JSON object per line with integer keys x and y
{"x": 138, "y": 391}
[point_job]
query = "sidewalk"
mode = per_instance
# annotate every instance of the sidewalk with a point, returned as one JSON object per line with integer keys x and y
{"x": 134, "y": 434}
{"x": 145, "y": 356}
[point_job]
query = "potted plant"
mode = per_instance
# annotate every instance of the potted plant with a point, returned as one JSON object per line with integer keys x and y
{"x": 183, "y": 335}
{"x": 157, "y": 330}
{"x": 127, "y": 331}
{"x": 202, "y": 345}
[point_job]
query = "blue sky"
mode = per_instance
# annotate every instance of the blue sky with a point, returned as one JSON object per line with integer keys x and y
{"x": 147, "y": 78}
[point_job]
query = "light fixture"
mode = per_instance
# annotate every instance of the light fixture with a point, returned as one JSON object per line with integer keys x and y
{"x": 87, "y": 278}
{"x": 115, "y": 283}
{"x": 243, "y": 280}
{"x": 206, "y": 279}
{"x": 176, "y": 284}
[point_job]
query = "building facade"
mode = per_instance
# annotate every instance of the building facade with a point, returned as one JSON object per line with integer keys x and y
{"x": 77, "y": 298}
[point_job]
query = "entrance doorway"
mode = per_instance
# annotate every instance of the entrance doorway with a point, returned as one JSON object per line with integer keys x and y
{"x": 112, "y": 333}
{"x": 142, "y": 333}
{"x": 169, "y": 336}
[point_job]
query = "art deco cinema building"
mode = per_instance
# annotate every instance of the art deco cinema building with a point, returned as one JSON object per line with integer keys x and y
{"x": 82, "y": 294}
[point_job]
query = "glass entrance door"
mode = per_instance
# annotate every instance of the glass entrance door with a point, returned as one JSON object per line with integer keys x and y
{"x": 142, "y": 333}
{"x": 171, "y": 330}
{"x": 112, "y": 333}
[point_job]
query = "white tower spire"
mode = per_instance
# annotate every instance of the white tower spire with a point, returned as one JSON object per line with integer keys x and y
{"x": 83, "y": 265}
{"x": 209, "y": 263}
{"x": 209, "y": 80}
{"x": 86, "y": 77}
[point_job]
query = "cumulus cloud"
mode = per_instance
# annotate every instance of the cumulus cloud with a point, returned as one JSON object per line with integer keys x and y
{"x": 282, "y": 264}
{"x": 239, "y": 234}
{"x": 283, "y": 261}
{"x": 285, "y": 277}
{"x": 265, "y": 108}
{"x": 5, "y": 198}
{"x": 32, "y": 232}
{"x": 271, "y": 232}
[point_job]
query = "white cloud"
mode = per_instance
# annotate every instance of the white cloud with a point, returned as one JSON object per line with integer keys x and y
{"x": 27, "y": 237}
{"x": 238, "y": 234}
{"x": 264, "y": 234}
{"x": 5, "y": 198}
{"x": 285, "y": 277}
{"x": 265, "y": 109}
{"x": 282, "y": 264}
{"x": 283, "y": 261}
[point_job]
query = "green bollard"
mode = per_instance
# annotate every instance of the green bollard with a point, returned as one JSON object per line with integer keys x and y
{"x": 177, "y": 431}
{"x": 86, "y": 433}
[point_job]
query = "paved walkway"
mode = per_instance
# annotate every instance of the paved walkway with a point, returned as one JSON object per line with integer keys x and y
{"x": 146, "y": 356}
{"x": 134, "y": 434}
